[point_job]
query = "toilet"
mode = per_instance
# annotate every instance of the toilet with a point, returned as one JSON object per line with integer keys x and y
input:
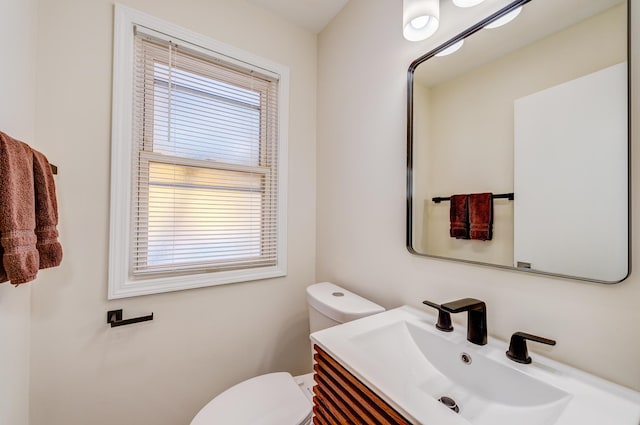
{"x": 279, "y": 398}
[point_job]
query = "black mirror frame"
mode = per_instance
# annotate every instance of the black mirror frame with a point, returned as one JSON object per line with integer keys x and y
{"x": 409, "y": 202}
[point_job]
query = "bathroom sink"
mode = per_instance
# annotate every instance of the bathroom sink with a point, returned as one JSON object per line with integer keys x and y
{"x": 485, "y": 391}
{"x": 431, "y": 376}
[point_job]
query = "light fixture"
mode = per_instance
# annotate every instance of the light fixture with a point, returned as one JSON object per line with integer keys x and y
{"x": 451, "y": 49}
{"x": 467, "y": 3}
{"x": 420, "y": 18}
{"x": 504, "y": 19}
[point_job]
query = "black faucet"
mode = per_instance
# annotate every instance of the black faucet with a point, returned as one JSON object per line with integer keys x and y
{"x": 518, "y": 346}
{"x": 477, "y": 317}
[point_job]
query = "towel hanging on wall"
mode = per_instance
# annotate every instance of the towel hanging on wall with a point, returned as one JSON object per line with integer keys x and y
{"x": 459, "y": 217}
{"x": 471, "y": 216}
{"x": 28, "y": 213}
{"x": 481, "y": 216}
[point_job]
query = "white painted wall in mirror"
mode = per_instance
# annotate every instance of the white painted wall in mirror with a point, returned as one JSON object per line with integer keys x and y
{"x": 568, "y": 175}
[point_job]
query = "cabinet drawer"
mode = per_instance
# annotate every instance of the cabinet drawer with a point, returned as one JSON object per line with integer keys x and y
{"x": 340, "y": 398}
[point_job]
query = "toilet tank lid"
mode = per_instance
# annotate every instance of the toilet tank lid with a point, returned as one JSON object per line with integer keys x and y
{"x": 339, "y": 304}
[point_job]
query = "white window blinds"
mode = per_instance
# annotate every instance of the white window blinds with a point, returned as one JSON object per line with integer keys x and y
{"x": 204, "y": 187}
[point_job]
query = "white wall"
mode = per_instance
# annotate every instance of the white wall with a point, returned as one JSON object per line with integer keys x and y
{"x": 363, "y": 63}
{"x": 17, "y": 113}
{"x": 201, "y": 341}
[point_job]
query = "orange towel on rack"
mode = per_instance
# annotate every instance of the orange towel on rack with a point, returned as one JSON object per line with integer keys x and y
{"x": 46, "y": 210}
{"x": 459, "y": 216}
{"x": 20, "y": 258}
{"x": 28, "y": 213}
{"x": 481, "y": 216}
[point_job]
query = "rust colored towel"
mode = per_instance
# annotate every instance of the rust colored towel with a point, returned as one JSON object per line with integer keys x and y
{"x": 481, "y": 216}
{"x": 459, "y": 217}
{"x": 20, "y": 258}
{"x": 46, "y": 210}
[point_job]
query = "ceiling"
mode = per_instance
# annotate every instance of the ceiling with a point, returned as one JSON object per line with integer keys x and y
{"x": 312, "y": 15}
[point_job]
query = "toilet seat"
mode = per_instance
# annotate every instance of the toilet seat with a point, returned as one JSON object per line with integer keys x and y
{"x": 271, "y": 399}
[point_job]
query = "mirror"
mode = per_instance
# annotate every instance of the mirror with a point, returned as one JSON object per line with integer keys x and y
{"x": 536, "y": 113}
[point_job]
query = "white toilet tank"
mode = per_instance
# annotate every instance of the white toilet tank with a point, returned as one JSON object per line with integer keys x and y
{"x": 331, "y": 305}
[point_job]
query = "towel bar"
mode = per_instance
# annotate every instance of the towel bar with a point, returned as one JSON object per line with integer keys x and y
{"x": 114, "y": 318}
{"x": 508, "y": 196}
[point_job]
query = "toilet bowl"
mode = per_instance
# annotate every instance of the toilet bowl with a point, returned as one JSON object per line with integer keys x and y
{"x": 279, "y": 398}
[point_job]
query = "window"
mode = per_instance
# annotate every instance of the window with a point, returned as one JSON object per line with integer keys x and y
{"x": 198, "y": 176}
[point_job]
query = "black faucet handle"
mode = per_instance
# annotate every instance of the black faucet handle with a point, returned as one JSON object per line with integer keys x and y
{"x": 464, "y": 304}
{"x": 431, "y": 304}
{"x": 518, "y": 346}
{"x": 444, "y": 318}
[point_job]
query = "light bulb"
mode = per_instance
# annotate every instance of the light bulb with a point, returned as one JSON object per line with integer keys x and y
{"x": 420, "y": 22}
{"x": 451, "y": 49}
{"x": 467, "y": 3}
{"x": 503, "y": 20}
{"x": 420, "y": 18}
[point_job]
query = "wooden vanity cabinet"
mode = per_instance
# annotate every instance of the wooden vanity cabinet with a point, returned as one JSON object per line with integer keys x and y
{"x": 340, "y": 398}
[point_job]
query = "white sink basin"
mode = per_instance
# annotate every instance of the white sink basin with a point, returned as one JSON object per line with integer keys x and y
{"x": 412, "y": 365}
{"x": 443, "y": 368}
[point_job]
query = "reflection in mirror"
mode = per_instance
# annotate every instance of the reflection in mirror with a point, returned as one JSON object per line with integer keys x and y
{"x": 537, "y": 108}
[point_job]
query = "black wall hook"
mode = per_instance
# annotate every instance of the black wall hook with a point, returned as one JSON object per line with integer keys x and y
{"x": 114, "y": 318}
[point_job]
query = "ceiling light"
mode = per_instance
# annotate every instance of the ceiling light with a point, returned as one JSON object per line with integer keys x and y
{"x": 453, "y": 48}
{"x": 420, "y": 18}
{"x": 504, "y": 19}
{"x": 466, "y": 3}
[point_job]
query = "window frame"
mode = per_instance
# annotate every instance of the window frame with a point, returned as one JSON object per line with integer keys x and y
{"x": 121, "y": 283}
